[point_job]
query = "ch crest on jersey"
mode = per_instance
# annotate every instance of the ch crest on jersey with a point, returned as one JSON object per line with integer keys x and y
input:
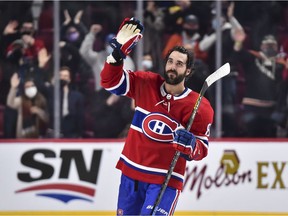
{"x": 159, "y": 127}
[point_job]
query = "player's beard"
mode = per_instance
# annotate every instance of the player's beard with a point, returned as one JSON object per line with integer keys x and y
{"x": 174, "y": 80}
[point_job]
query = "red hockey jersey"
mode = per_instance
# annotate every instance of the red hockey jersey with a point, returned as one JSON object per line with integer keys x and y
{"x": 148, "y": 149}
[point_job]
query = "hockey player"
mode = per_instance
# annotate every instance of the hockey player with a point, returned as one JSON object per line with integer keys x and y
{"x": 162, "y": 109}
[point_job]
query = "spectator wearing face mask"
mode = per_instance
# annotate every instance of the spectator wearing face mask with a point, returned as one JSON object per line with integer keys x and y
{"x": 189, "y": 38}
{"x": 71, "y": 108}
{"x": 96, "y": 59}
{"x": 73, "y": 30}
{"x": 147, "y": 62}
{"x": 32, "y": 118}
{"x": 263, "y": 73}
{"x": 25, "y": 49}
{"x": 23, "y": 53}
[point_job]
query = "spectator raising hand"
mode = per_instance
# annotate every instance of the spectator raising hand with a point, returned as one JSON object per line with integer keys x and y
{"x": 238, "y": 36}
{"x": 264, "y": 85}
{"x": 15, "y": 80}
{"x": 96, "y": 59}
{"x": 78, "y": 16}
{"x": 95, "y": 28}
{"x": 11, "y": 27}
{"x": 67, "y": 17}
{"x": 43, "y": 58}
{"x": 32, "y": 117}
{"x": 73, "y": 30}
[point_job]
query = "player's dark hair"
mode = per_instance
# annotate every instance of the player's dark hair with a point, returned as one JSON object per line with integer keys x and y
{"x": 190, "y": 56}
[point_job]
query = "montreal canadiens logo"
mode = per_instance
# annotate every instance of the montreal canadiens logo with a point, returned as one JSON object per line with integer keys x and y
{"x": 159, "y": 127}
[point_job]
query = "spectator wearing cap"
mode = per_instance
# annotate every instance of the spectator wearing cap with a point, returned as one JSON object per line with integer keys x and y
{"x": 188, "y": 37}
{"x": 96, "y": 59}
{"x": 263, "y": 73}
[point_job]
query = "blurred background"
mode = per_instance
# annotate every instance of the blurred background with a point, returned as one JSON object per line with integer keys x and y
{"x": 53, "y": 51}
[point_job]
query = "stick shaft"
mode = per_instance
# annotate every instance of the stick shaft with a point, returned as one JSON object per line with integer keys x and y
{"x": 177, "y": 154}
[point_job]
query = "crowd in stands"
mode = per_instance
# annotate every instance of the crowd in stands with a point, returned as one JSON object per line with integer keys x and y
{"x": 254, "y": 42}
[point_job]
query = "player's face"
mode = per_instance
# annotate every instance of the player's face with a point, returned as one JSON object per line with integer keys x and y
{"x": 175, "y": 69}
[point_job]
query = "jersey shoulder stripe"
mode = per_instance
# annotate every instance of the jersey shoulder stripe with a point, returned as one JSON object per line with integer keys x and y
{"x": 122, "y": 87}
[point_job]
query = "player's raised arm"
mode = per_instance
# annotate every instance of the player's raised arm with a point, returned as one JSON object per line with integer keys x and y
{"x": 127, "y": 37}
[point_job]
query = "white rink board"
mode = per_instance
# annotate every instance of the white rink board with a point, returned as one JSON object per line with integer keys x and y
{"x": 49, "y": 178}
{"x": 250, "y": 190}
{"x": 105, "y": 188}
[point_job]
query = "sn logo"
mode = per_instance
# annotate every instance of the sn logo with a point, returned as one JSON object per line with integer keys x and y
{"x": 89, "y": 174}
{"x": 38, "y": 159}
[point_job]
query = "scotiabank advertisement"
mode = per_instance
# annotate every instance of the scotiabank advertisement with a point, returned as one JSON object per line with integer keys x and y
{"x": 65, "y": 176}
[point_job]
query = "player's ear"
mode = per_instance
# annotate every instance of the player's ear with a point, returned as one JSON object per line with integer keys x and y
{"x": 188, "y": 72}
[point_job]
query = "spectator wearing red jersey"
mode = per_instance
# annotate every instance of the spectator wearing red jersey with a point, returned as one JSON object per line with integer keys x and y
{"x": 26, "y": 48}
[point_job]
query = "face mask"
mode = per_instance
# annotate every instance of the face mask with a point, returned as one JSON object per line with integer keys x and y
{"x": 270, "y": 53}
{"x": 147, "y": 64}
{"x": 30, "y": 92}
{"x": 73, "y": 36}
{"x": 270, "y": 50}
{"x": 63, "y": 83}
{"x": 27, "y": 33}
{"x": 190, "y": 32}
{"x": 109, "y": 49}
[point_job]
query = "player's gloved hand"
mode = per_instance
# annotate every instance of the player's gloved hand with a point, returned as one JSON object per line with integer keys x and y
{"x": 184, "y": 141}
{"x": 127, "y": 37}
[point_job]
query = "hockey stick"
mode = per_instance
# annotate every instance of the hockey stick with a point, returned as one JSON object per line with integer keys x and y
{"x": 218, "y": 74}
